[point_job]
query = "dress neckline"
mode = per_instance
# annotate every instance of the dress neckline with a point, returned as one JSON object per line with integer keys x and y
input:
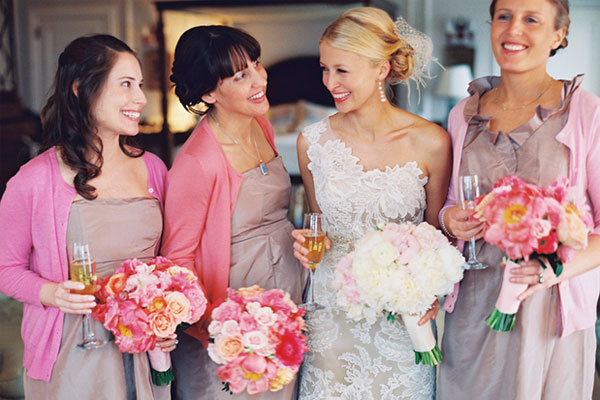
{"x": 388, "y": 169}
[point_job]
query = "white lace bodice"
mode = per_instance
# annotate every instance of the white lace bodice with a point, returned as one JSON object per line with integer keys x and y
{"x": 348, "y": 360}
{"x": 354, "y": 200}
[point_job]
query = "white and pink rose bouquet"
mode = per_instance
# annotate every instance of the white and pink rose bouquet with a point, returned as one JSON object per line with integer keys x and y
{"x": 530, "y": 222}
{"x": 258, "y": 339}
{"x": 142, "y": 302}
{"x": 399, "y": 269}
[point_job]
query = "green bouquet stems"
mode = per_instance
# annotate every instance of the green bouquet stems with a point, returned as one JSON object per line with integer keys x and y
{"x": 432, "y": 357}
{"x": 501, "y": 322}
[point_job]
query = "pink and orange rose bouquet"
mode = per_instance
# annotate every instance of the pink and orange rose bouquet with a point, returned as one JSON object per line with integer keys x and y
{"x": 530, "y": 222}
{"x": 142, "y": 302}
{"x": 258, "y": 339}
{"x": 399, "y": 269}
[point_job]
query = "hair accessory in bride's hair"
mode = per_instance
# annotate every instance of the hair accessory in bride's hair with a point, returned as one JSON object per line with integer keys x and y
{"x": 423, "y": 47}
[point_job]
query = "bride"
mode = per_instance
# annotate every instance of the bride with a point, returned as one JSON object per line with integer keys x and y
{"x": 369, "y": 163}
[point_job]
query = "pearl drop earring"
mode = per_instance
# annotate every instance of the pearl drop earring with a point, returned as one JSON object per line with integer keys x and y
{"x": 381, "y": 92}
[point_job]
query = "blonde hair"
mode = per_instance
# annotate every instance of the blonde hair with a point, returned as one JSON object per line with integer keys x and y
{"x": 371, "y": 32}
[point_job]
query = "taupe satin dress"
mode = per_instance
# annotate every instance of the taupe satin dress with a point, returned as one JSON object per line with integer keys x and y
{"x": 261, "y": 254}
{"x": 116, "y": 230}
{"x": 530, "y": 362}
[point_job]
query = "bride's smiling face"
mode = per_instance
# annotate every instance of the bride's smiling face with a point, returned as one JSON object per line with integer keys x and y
{"x": 350, "y": 78}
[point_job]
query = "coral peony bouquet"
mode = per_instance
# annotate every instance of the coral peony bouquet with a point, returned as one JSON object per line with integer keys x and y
{"x": 527, "y": 221}
{"x": 400, "y": 269}
{"x": 258, "y": 339}
{"x": 142, "y": 302}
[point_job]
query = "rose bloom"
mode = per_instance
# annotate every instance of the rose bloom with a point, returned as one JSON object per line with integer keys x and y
{"x": 284, "y": 376}
{"x": 116, "y": 284}
{"x": 228, "y": 347}
{"x": 179, "y": 306}
{"x": 572, "y": 231}
{"x": 428, "y": 236}
{"x": 230, "y": 328}
{"x": 265, "y": 316}
{"x": 214, "y": 328}
{"x": 251, "y": 292}
{"x": 254, "y": 340}
{"x": 163, "y": 324}
{"x": 156, "y": 305}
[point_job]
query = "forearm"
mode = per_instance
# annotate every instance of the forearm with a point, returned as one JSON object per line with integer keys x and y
{"x": 583, "y": 260}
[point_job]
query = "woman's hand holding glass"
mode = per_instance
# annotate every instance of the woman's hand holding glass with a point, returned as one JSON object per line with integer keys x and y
{"x": 60, "y": 295}
{"x": 301, "y": 252}
{"x": 458, "y": 223}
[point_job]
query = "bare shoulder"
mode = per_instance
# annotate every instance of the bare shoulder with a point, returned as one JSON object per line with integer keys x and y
{"x": 426, "y": 133}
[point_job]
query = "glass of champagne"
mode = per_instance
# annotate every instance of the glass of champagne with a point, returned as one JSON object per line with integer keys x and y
{"x": 314, "y": 241}
{"x": 83, "y": 269}
{"x": 468, "y": 192}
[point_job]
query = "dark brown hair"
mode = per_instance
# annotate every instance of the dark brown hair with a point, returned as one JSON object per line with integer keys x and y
{"x": 67, "y": 119}
{"x": 205, "y": 55}
{"x": 562, "y": 19}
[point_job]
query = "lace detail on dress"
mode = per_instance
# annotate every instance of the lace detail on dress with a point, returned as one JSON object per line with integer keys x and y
{"x": 350, "y": 360}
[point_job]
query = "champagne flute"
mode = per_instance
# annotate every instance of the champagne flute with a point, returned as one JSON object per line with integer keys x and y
{"x": 83, "y": 269}
{"x": 468, "y": 192}
{"x": 314, "y": 241}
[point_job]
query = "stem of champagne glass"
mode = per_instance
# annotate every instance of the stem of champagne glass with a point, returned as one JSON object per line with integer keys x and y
{"x": 472, "y": 255}
{"x": 88, "y": 334}
{"x": 312, "y": 285}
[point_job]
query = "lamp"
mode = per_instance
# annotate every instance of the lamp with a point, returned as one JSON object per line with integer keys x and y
{"x": 454, "y": 82}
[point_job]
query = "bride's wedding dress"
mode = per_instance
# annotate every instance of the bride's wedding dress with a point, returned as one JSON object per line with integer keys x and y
{"x": 352, "y": 360}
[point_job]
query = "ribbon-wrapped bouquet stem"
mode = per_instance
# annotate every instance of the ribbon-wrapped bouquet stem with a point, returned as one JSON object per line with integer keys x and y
{"x": 399, "y": 269}
{"x": 530, "y": 222}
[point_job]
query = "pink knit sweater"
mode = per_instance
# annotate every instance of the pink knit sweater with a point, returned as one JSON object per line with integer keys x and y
{"x": 34, "y": 213}
{"x": 202, "y": 191}
{"x": 581, "y": 134}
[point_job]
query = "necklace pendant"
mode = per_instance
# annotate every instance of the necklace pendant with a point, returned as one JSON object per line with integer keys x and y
{"x": 263, "y": 168}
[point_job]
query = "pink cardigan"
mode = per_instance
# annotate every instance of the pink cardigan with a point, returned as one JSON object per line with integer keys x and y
{"x": 34, "y": 213}
{"x": 202, "y": 190}
{"x": 581, "y": 134}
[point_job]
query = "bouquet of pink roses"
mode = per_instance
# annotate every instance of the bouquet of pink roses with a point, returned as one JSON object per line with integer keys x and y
{"x": 400, "y": 269}
{"x": 526, "y": 221}
{"x": 257, "y": 337}
{"x": 142, "y": 302}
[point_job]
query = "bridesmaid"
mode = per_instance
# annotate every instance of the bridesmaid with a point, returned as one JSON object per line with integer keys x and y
{"x": 228, "y": 193}
{"x": 528, "y": 124}
{"x": 88, "y": 185}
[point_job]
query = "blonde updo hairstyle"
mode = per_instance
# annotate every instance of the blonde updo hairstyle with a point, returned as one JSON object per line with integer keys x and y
{"x": 371, "y": 32}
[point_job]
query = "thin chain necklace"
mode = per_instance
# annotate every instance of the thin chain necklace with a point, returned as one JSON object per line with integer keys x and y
{"x": 261, "y": 164}
{"x": 505, "y": 108}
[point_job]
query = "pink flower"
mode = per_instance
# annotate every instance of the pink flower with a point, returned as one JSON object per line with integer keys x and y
{"x": 290, "y": 351}
{"x": 265, "y": 316}
{"x": 404, "y": 240}
{"x": 255, "y": 340}
{"x": 228, "y": 347}
{"x": 226, "y": 311}
{"x": 247, "y": 322}
{"x": 345, "y": 281}
{"x": 198, "y": 302}
{"x": 215, "y": 327}
{"x": 572, "y": 231}
{"x": 179, "y": 306}
{"x": 163, "y": 324}
{"x": 548, "y": 244}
